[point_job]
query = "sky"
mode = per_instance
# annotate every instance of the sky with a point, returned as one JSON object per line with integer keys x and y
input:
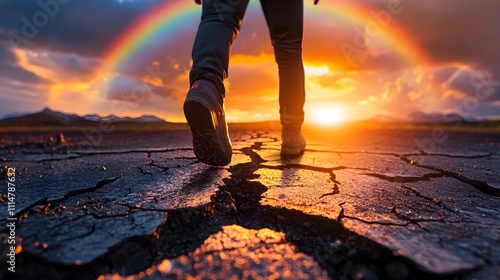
{"x": 362, "y": 58}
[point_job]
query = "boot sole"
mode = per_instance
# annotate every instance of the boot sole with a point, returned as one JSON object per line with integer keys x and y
{"x": 208, "y": 146}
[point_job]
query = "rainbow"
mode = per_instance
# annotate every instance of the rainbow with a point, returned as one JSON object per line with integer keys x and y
{"x": 166, "y": 20}
{"x": 393, "y": 34}
{"x": 171, "y": 17}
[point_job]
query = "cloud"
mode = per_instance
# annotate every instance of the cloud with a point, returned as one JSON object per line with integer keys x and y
{"x": 68, "y": 66}
{"x": 6, "y": 55}
{"x": 257, "y": 92}
{"x": 450, "y": 88}
{"x": 128, "y": 96}
{"x": 472, "y": 92}
{"x": 78, "y": 27}
{"x": 123, "y": 88}
{"x": 9, "y": 69}
{"x": 17, "y": 97}
{"x": 455, "y": 31}
{"x": 478, "y": 84}
{"x": 402, "y": 95}
{"x": 130, "y": 89}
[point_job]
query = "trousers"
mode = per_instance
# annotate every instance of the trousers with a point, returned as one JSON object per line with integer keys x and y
{"x": 220, "y": 25}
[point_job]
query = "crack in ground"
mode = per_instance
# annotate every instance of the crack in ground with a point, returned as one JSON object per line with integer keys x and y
{"x": 406, "y": 179}
{"x": 160, "y": 169}
{"x": 335, "y": 191}
{"x": 41, "y": 201}
{"x": 140, "y": 208}
{"x": 73, "y": 193}
{"x": 46, "y": 201}
{"x": 328, "y": 170}
{"x": 51, "y": 159}
{"x": 255, "y": 157}
{"x": 78, "y": 217}
{"x": 86, "y": 154}
{"x": 85, "y": 234}
{"x": 430, "y": 199}
{"x": 479, "y": 185}
{"x": 342, "y": 215}
{"x": 394, "y": 210}
{"x": 354, "y": 152}
{"x": 422, "y": 153}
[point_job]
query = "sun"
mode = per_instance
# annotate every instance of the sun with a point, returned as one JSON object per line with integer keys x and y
{"x": 328, "y": 116}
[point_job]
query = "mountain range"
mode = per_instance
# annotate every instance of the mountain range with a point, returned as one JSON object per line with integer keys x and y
{"x": 419, "y": 117}
{"x": 49, "y": 117}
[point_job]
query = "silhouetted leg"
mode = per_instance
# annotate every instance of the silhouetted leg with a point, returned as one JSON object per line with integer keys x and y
{"x": 285, "y": 21}
{"x": 220, "y": 24}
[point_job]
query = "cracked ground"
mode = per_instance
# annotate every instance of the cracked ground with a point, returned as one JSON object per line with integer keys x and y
{"x": 359, "y": 204}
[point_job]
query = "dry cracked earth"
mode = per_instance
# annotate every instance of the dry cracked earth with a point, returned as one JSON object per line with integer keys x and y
{"x": 359, "y": 204}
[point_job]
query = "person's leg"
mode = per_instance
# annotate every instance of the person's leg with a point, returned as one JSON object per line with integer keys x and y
{"x": 204, "y": 104}
{"x": 219, "y": 26}
{"x": 285, "y": 21}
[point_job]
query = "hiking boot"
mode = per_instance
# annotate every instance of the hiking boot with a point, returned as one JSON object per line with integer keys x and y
{"x": 293, "y": 144}
{"x": 205, "y": 114}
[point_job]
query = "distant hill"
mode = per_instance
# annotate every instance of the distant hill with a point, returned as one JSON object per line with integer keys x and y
{"x": 419, "y": 117}
{"x": 51, "y": 118}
